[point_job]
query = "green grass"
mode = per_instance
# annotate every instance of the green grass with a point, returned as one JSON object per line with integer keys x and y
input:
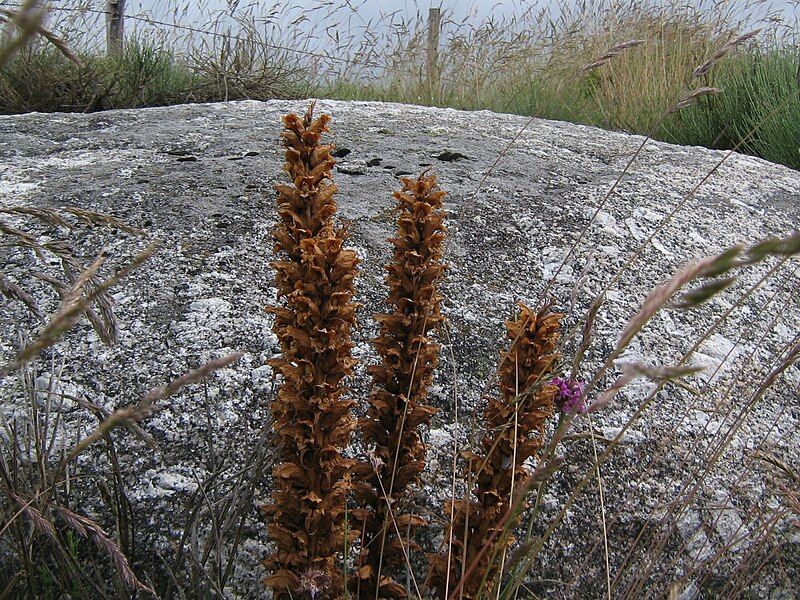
{"x": 760, "y": 94}
{"x": 42, "y": 79}
{"x": 147, "y": 76}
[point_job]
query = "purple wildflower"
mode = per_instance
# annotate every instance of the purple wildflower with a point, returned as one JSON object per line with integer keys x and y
{"x": 570, "y": 395}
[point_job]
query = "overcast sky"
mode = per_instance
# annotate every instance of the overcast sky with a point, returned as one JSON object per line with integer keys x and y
{"x": 351, "y": 17}
{"x": 457, "y": 9}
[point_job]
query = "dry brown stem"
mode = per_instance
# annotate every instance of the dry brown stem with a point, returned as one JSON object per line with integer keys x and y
{"x": 400, "y": 385}
{"x": 311, "y": 417}
{"x": 514, "y": 422}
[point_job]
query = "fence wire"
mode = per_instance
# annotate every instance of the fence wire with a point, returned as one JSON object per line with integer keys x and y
{"x": 228, "y": 35}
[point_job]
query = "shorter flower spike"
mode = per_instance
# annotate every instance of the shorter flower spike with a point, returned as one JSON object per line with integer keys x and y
{"x": 515, "y": 424}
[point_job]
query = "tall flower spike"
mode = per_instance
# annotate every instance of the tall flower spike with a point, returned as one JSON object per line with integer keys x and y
{"x": 400, "y": 385}
{"x": 311, "y": 419}
{"x": 515, "y": 422}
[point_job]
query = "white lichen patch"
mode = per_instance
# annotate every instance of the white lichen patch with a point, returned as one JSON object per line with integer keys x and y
{"x": 717, "y": 355}
{"x": 15, "y": 185}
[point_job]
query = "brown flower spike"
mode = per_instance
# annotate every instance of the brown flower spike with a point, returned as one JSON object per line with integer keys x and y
{"x": 400, "y": 385}
{"x": 311, "y": 419}
{"x": 515, "y": 424}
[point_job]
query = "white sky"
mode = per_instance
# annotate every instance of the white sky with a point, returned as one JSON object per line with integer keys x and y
{"x": 354, "y": 17}
{"x": 457, "y": 9}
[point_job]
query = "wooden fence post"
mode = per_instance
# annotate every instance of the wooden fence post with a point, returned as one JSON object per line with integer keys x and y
{"x": 115, "y": 24}
{"x": 434, "y": 27}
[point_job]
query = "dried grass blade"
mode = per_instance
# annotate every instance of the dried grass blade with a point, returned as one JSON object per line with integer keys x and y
{"x": 73, "y": 306}
{"x": 706, "y": 66}
{"x": 45, "y": 215}
{"x": 614, "y": 51}
{"x": 631, "y": 371}
{"x": 586, "y": 334}
{"x": 89, "y": 529}
{"x": 67, "y": 315}
{"x": 12, "y": 291}
{"x": 658, "y": 298}
{"x": 691, "y": 96}
{"x": 93, "y": 217}
{"x": 141, "y": 410}
{"x": 39, "y": 521}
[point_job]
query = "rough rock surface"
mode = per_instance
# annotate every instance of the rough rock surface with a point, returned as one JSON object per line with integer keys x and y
{"x": 199, "y": 179}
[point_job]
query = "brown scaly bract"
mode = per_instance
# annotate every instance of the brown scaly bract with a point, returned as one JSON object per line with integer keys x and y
{"x": 311, "y": 419}
{"x": 515, "y": 421}
{"x": 396, "y": 410}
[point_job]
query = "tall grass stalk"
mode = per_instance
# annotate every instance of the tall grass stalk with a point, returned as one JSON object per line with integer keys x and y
{"x": 521, "y": 63}
{"x": 647, "y": 469}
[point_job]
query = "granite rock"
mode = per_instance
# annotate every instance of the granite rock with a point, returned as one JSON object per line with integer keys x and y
{"x": 198, "y": 178}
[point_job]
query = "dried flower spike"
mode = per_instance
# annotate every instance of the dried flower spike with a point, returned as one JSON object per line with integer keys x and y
{"x": 396, "y": 410}
{"x": 311, "y": 418}
{"x": 515, "y": 422}
{"x": 314, "y": 583}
